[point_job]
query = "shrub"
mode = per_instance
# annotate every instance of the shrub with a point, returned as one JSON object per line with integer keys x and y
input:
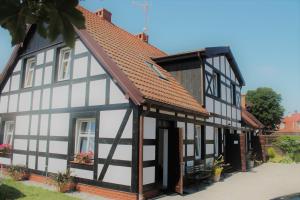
{"x": 297, "y": 157}
{"x": 18, "y": 173}
{"x": 271, "y": 152}
{"x": 64, "y": 181}
{"x": 288, "y": 144}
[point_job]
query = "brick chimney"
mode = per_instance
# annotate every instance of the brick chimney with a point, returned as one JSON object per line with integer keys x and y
{"x": 143, "y": 36}
{"x": 104, "y": 14}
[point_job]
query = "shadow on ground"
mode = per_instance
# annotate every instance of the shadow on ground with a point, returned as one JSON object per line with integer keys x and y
{"x": 198, "y": 186}
{"x": 9, "y": 193}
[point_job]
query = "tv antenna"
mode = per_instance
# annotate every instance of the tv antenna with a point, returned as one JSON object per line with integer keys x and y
{"x": 145, "y": 7}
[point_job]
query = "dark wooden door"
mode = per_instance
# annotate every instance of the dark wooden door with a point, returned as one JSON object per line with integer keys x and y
{"x": 175, "y": 160}
{"x": 179, "y": 185}
{"x": 232, "y": 150}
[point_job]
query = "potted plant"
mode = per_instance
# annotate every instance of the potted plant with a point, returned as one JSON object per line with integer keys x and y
{"x": 218, "y": 166}
{"x": 19, "y": 173}
{"x": 84, "y": 158}
{"x": 64, "y": 182}
{"x": 5, "y": 149}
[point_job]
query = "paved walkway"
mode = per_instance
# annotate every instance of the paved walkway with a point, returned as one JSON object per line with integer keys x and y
{"x": 263, "y": 183}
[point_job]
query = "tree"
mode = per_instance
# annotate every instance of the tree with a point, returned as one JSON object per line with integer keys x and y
{"x": 51, "y": 17}
{"x": 265, "y": 104}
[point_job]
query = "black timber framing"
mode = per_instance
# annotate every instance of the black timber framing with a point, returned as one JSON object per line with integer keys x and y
{"x": 114, "y": 145}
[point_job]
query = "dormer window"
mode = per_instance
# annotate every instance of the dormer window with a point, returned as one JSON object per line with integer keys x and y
{"x": 29, "y": 70}
{"x": 156, "y": 70}
{"x": 64, "y": 64}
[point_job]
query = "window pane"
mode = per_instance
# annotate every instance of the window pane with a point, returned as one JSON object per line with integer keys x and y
{"x": 198, "y": 142}
{"x": 84, "y": 126}
{"x": 83, "y": 145}
{"x": 64, "y": 67}
{"x": 91, "y": 144}
{"x": 8, "y": 132}
{"x": 92, "y": 127}
{"x": 66, "y": 55}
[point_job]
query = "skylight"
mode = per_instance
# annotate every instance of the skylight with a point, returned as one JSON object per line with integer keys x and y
{"x": 156, "y": 70}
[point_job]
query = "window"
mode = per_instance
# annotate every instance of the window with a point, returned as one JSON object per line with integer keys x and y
{"x": 9, "y": 128}
{"x": 217, "y": 84}
{"x": 298, "y": 124}
{"x": 64, "y": 64}
{"x": 233, "y": 96}
{"x": 156, "y": 70}
{"x": 85, "y": 135}
{"x": 30, "y": 64}
{"x": 198, "y": 143}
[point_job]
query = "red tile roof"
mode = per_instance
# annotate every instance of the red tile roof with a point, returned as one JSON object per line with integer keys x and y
{"x": 131, "y": 54}
{"x": 250, "y": 120}
{"x": 291, "y": 124}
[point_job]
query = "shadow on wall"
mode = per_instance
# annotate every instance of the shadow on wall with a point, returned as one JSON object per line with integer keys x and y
{"x": 7, "y": 192}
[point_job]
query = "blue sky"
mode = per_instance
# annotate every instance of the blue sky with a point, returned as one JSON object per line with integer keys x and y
{"x": 264, "y": 36}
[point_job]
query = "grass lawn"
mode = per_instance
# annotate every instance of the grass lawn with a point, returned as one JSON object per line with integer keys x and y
{"x": 16, "y": 190}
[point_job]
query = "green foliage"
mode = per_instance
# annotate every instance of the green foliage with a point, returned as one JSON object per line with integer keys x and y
{"x": 62, "y": 178}
{"x": 18, "y": 173}
{"x": 51, "y": 17}
{"x": 271, "y": 152}
{"x": 297, "y": 157}
{"x": 265, "y": 105}
{"x": 288, "y": 144}
{"x": 16, "y": 190}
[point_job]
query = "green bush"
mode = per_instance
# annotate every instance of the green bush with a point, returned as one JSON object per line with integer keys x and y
{"x": 271, "y": 152}
{"x": 297, "y": 157}
{"x": 288, "y": 144}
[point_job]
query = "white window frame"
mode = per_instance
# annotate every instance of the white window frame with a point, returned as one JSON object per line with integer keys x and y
{"x": 198, "y": 138}
{"x": 7, "y": 134}
{"x": 62, "y": 60}
{"x": 30, "y": 64}
{"x": 80, "y": 135}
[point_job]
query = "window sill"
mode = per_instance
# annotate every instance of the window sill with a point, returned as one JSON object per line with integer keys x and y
{"x": 84, "y": 166}
{"x": 5, "y": 155}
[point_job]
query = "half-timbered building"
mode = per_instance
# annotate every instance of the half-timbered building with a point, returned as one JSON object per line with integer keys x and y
{"x": 144, "y": 115}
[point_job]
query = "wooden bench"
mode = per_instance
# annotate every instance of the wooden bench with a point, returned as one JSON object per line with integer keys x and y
{"x": 197, "y": 172}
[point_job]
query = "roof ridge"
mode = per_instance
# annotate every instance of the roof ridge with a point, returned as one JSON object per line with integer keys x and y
{"x": 124, "y": 30}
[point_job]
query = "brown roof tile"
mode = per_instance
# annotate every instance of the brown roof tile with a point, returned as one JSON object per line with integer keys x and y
{"x": 250, "y": 119}
{"x": 130, "y": 54}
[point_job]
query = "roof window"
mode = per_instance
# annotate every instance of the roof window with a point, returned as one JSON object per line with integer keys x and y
{"x": 156, "y": 70}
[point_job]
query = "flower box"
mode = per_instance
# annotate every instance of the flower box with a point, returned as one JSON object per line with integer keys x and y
{"x": 84, "y": 158}
{"x": 5, "y": 150}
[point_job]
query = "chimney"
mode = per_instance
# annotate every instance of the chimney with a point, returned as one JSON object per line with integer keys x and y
{"x": 104, "y": 14}
{"x": 243, "y": 101}
{"x": 143, "y": 36}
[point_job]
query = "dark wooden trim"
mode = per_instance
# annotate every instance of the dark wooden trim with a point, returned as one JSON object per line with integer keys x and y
{"x": 36, "y": 137}
{"x": 149, "y": 163}
{"x": 125, "y": 141}
{"x": 135, "y": 149}
{"x": 96, "y": 148}
{"x": 123, "y": 163}
{"x": 82, "y": 166}
{"x": 140, "y": 155}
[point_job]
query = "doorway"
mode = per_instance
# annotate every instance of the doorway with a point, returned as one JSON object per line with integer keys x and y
{"x": 232, "y": 149}
{"x": 170, "y": 160}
